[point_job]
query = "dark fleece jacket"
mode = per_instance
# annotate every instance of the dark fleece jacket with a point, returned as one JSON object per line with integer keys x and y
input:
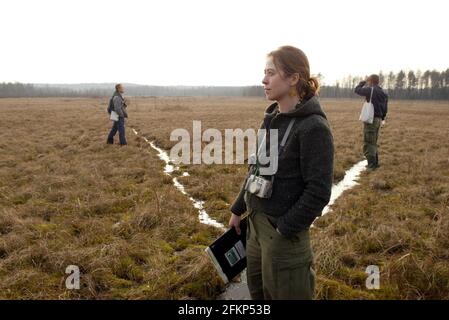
{"x": 303, "y": 182}
{"x": 380, "y": 98}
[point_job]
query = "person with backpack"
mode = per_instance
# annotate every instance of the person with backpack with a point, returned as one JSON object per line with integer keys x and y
{"x": 370, "y": 89}
{"x": 118, "y": 104}
{"x": 278, "y": 249}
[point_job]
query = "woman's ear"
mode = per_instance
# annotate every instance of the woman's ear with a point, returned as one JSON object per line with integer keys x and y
{"x": 294, "y": 79}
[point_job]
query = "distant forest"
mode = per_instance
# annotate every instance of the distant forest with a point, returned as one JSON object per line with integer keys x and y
{"x": 428, "y": 85}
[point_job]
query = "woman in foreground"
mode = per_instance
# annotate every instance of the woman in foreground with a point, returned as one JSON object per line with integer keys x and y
{"x": 279, "y": 255}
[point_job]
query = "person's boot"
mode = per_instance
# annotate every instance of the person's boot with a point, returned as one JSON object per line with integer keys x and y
{"x": 371, "y": 162}
{"x": 376, "y": 163}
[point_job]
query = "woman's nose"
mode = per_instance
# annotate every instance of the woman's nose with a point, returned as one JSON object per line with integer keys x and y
{"x": 264, "y": 80}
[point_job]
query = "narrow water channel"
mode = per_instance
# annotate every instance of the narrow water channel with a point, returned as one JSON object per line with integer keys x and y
{"x": 238, "y": 289}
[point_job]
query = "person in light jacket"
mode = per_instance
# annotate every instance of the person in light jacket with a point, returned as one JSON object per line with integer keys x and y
{"x": 119, "y": 106}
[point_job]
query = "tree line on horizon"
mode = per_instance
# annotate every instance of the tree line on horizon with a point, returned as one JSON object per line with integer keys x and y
{"x": 427, "y": 85}
{"x": 415, "y": 85}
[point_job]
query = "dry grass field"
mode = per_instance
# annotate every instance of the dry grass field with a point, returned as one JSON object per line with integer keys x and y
{"x": 68, "y": 198}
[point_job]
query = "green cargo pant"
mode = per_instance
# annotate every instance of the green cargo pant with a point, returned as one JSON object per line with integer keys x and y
{"x": 370, "y": 135}
{"x": 277, "y": 267}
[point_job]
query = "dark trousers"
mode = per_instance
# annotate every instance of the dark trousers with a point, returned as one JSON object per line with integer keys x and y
{"x": 370, "y": 137}
{"x": 120, "y": 126}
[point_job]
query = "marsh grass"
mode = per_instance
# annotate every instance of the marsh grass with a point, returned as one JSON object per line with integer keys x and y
{"x": 68, "y": 198}
{"x": 397, "y": 218}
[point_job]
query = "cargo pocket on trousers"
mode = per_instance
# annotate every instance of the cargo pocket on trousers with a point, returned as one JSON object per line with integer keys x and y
{"x": 292, "y": 261}
{"x": 296, "y": 281}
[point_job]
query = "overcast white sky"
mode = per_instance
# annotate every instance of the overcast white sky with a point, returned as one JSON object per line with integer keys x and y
{"x": 214, "y": 42}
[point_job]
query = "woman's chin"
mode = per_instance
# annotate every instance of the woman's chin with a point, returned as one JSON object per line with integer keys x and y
{"x": 269, "y": 96}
